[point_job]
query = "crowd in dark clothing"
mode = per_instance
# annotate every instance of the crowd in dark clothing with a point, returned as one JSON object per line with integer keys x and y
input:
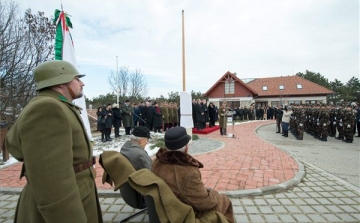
{"x": 203, "y": 113}
{"x": 249, "y": 113}
{"x": 159, "y": 118}
{"x": 149, "y": 114}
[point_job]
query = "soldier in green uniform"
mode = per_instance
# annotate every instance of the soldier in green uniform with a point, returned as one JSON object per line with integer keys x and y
{"x": 176, "y": 114}
{"x": 339, "y": 122}
{"x": 324, "y": 122}
{"x": 349, "y": 122}
{"x": 332, "y": 132}
{"x": 165, "y": 113}
{"x": 222, "y": 118}
{"x": 300, "y": 119}
{"x": 50, "y": 138}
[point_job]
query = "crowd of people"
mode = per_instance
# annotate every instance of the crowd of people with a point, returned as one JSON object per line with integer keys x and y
{"x": 151, "y": 114}
{"x": 320, "y": 121}
{"x": 252, "y": 112}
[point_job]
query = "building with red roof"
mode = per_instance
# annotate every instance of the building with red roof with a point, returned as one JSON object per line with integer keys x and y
{"x": 271, "y": 91}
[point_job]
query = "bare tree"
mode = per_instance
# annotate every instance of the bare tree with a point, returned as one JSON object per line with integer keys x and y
{"x": 119, "y": 81}
{"x": 25, "y": 42}
{"x": 128, "y": 83}
{"x": 138, "y": 84}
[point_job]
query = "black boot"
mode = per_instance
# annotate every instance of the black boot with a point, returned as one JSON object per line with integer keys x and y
{"x": 103, "y": 137}
{"x": 221, "y": 132}
{"x": 286, "y": 133}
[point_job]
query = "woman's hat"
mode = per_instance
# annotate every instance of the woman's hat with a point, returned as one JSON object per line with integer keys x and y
{"x": 176, "y": 138}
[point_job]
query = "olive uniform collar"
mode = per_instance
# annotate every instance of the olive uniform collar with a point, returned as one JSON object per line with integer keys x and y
{"x": 54, "y": 94}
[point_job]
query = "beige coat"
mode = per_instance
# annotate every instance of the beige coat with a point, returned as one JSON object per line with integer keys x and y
{"x": 49, "y": 137}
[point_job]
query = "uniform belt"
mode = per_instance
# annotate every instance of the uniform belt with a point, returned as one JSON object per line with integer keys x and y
{"x": 83, "y": 166}
{"x": 77, "y": 167}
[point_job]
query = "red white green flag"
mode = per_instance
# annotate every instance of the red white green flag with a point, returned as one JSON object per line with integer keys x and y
{"x": 64, "y": 50}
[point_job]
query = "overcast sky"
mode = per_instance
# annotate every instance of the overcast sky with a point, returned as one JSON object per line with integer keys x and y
{"x": 252, "y": 38}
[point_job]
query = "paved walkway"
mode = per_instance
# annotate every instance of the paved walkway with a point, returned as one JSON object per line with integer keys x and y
{"x": 247, "y": 165}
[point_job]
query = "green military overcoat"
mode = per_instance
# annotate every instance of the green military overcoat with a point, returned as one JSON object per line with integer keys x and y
{"x": 222, "y": 117}
{"x": 49, "y": 137}
{"x": 127, "y": 115}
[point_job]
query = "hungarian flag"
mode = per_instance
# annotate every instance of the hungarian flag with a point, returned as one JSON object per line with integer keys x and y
{"x": 64, "y": 50}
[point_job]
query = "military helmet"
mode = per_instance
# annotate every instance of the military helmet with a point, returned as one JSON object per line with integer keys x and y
{"x": 55, "y": 72}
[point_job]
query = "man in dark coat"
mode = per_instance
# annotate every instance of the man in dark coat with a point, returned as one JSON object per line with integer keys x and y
{"x": 199, "y": 115}
{"x": 204, "y": 107}
{"x": 357, "y": 120}
{"x": 117, "y": 119}
{"x": 194, "y": 112}
{"x": 246, "y": 113}
{"x": 107, "y": 114}
{"x": 279, "y": 114}
{"x": 181, "y": 173}
{"x": 241, "y": 113}
{"x": 141, "y": 115}
{"x": 50, "y": 138}
{"x": 136, "y": 115}
{"x": 148, "y": 115}
{"x": 157, "y": 118}
{"x": 212, "y": 114}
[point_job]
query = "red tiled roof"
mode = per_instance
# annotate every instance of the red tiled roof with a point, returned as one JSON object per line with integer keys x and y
{"x": 290, "y": 86}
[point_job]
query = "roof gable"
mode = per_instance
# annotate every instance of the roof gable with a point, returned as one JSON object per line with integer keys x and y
{"x": 228, "y": 75}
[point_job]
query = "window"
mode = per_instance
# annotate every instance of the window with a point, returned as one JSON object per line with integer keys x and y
{"x": 296, "y": 102}
{"x": 299, "y": 86}
{"x": 231, "y": 104}
{"x": 281, "y": 87}
{"x": 264, "y": 88}
{"x": 230, "y": 87}
{"x": 311, "y": 101}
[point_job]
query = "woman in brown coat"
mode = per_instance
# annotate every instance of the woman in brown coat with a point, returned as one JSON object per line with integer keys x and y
{"x": 181, "y": 172}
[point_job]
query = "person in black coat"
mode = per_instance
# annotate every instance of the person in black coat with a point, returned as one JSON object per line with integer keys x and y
{"x": 241, "y": 113}
{"x": 279, "y": 114}
{"x": 212, "y": 114}
{"x": 194, "y": 112}
{"x": 357, "y": 120}
{"x": 107, "y": 114}
{"x": 136, "y": 115}
{"x": 246, "y": 113}
{"x": 157, "y": 118}
{"x": 142, "y": 112}
{"x": 270, "y": 113}
{"x": 204, "y": 107}
{"x": 99, "y": 125}
{"x": 148, "y": 115}
{"x": 117, "y": 119}
{"x": 199, "y": 115}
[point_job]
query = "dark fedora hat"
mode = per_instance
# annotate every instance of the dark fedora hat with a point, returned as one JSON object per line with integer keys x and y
{"x": 141, "y": 131}
{"x": 176, "y": 138}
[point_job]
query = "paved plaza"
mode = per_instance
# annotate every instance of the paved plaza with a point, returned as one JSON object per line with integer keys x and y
{"x": 322, "y": 187}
